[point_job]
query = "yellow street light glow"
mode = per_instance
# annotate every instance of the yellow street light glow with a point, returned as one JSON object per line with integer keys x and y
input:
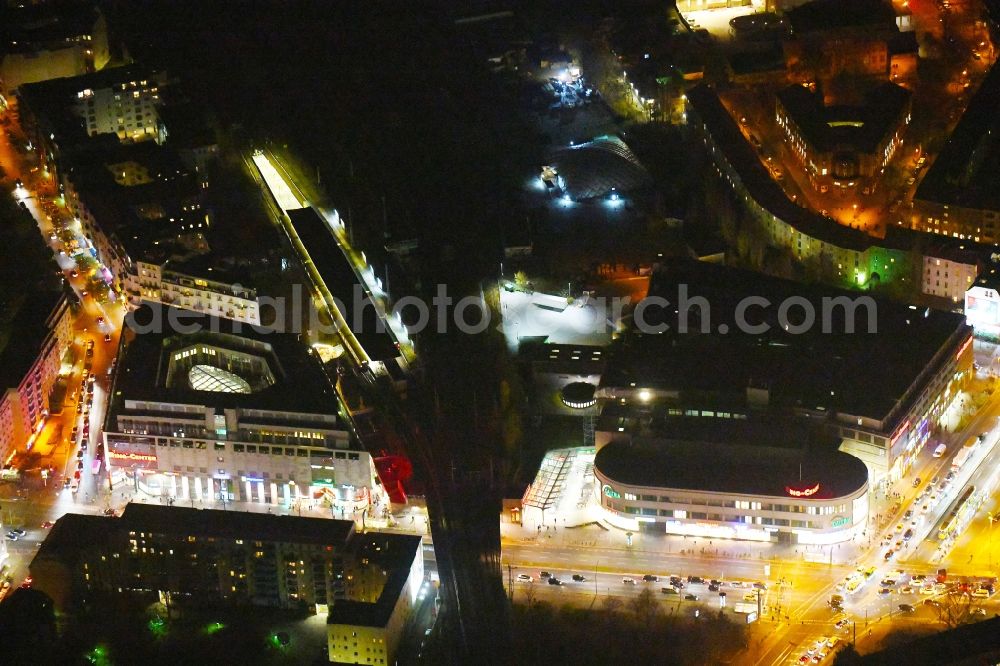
{"x": 279, "y": 188}
{"x": 645, "y": 395}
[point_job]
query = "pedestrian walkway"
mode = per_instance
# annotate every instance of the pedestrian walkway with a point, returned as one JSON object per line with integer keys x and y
{"x": 601, "y": 535}
{"x": 406, "y": 520}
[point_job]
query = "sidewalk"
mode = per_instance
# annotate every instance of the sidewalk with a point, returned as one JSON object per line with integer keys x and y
{"x": 404, "y": 521}
{"x": 596, "y": 535}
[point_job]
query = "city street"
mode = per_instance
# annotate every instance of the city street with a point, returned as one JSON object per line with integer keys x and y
{"x": 797, "y": 614}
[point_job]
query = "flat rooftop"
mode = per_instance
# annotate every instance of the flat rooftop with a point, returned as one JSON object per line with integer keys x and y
{"x": 300, "y": 385}
{"x": 340, "y": 278}
{"x": 178, "y": 520}
{"x": 732, "y": 468}
{"x": 738, "y": 152}
{"x": 824, "y": 15}
{"x": 44, "y": 25}
{"x": 741, "y": 426}
{"x": 30, "y": 291}
{"x": 860, "y": 373}
{"x": 846, "y": 127}
{"x": 965, "y": 173}
{"x": 75, "y": 532}
{"x": 395, "y": 554}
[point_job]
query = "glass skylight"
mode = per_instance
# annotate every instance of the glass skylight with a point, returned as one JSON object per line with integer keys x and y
{"x": 210, "y": 378}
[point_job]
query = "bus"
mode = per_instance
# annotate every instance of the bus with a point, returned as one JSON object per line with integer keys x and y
{"x": 959, "y": 512}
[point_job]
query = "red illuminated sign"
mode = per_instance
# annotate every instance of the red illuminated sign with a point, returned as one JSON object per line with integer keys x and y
{"x": 131, "y": 457}
{"x": 961, "y": 350}
{"x": 802, "y": 492}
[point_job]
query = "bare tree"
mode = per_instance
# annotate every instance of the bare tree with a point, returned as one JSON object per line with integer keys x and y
{"x": 645, "y": 606}
{"x": 957, "y": 607}
{"x": 611, "y": 605}
{"x": 529, "y": 595}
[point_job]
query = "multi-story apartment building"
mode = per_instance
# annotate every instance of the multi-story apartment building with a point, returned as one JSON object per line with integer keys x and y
{"x": 858, "y": 38}
{"x": 44, "y": 41}
{"x": 118, "y": 100}
{"x": 958, "y": 197}
{"x": 31, "y": 355}
{"x": 132, "y": 202}
{"x": 826, "y": 250}
{"x": 386, "y": 577}
{"x": 232, "y": 413}
{"x": 950, "y": 275}
{"x": 177, "y": 283}
{"x": 180, "y": 555}
{"x": 844, "y": 145}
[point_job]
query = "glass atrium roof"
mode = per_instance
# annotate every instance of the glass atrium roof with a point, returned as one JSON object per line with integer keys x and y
{"x": 210, "y": 378}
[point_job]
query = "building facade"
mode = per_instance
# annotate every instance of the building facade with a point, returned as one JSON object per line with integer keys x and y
{"x": 982, "y": 306}
{"x": 948, "y": 279}
{"x": 179, "y": 555}
{"x": 367, "y": 629}
{"x": 31, "y": 362}
{"x": 64, "y": 41}
{"x": 227, "y": 414}
{"x": 827, "y": 251}
{"x": 125, "y": 108}
{"x": 843, "y": 146}
{"x": 732, "y": 491}
{"x": 158, "y": 282}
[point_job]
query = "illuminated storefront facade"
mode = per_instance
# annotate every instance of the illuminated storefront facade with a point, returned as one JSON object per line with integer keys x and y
{"x": 738, "y": 503}
{"x": 223, "y": 417}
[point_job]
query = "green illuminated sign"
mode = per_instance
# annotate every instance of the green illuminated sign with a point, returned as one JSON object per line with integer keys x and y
{"x": 839, "y": 521}
{"x": 610, "y": 492}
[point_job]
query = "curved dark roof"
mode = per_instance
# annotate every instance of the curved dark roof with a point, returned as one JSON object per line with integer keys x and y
{"x": 736, "y": 469}
{"x": 592, "y": 169}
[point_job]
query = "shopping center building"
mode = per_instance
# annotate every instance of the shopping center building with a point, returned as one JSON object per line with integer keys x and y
{"x": 229, "y": 413}
{"x": 757, "y": 493}
{"x": 880, "y": 389}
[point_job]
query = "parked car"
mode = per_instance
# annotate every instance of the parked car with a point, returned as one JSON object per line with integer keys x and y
{"x": 690, "y": 597}
{"x": 628, "y": 581}
{"x": 669, "y": 590}
{"x": 578, "y": 578}
{"x": 650, "y": 578}
{"x": 554, "y": 581}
